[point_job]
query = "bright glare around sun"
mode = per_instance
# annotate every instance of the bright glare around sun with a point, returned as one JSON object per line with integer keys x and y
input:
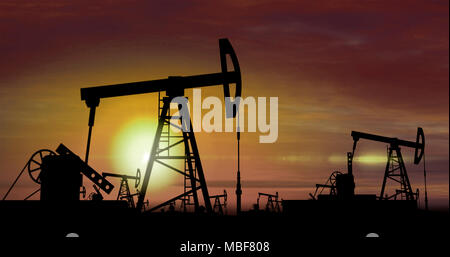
{"x": 131, "y": 149}
{"x": 368, "y": 159}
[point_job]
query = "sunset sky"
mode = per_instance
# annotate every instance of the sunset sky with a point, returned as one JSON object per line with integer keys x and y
{"x": 379, "y": 67}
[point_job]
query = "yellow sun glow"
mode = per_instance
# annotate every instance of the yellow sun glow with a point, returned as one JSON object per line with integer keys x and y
{"x": 368, "y": 159}
{"x": 131, "y": 149}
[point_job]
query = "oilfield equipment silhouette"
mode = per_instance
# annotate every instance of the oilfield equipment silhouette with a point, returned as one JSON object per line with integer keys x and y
{"x": 60, "y": 173}
{"x": 220, "y": 206}
{"x": 124, "y": 190}
{"x": 65, "y": 185}
{"x": 173, "y": 87}
{"x": 272, "y": 202}
{"x": 342, "y": 185}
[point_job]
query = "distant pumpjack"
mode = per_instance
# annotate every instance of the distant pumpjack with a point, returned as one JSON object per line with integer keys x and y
{"x": 272, "y": 205}
{"x": 395, "y": 166}
{"x": 124, "y": 189}
{"x": 219, "y": 206}
{"x": 174, "y": 88}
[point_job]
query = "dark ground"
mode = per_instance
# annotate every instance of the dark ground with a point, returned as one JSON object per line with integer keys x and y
{"x": 320, "y": 226}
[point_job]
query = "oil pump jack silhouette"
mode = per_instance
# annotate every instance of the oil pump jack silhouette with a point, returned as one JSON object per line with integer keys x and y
{"x": 174, "y": 88}
{"x": 342, "y": 185}
{"x": 395, "y": 167}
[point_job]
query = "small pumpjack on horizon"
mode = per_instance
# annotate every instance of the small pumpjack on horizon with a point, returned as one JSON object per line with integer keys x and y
{"x": 272, "y": 204}
{"x": 220, "y": 207}
{"x": 124, "y": 192}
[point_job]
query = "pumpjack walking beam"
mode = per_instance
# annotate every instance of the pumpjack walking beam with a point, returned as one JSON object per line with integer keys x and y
{"x": 174, "y": 86}
{"x": 419, "y": 145}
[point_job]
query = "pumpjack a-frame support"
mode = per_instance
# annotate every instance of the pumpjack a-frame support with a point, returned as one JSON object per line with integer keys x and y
{"x": 396, "y": 172}
{"x": 194, "y": 173}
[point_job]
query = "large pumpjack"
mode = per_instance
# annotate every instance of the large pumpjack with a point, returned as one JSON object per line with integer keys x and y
{"x": 174, "y": 88}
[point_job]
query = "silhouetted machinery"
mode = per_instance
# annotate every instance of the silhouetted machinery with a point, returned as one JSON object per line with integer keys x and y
{"x": 60, "y": 175}
{"x": 272, "y": 204}
{"x": 174, "y": 88}
{"x": 124, "y": 192}
{"x": 395, "y": 167}
{"x": 330, "y": 184}
{"x": 342, "y": 185}
{"x": 220, "y": 206}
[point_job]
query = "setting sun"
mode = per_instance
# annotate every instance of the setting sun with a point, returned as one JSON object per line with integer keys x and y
{"x": 131, "y": 147}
